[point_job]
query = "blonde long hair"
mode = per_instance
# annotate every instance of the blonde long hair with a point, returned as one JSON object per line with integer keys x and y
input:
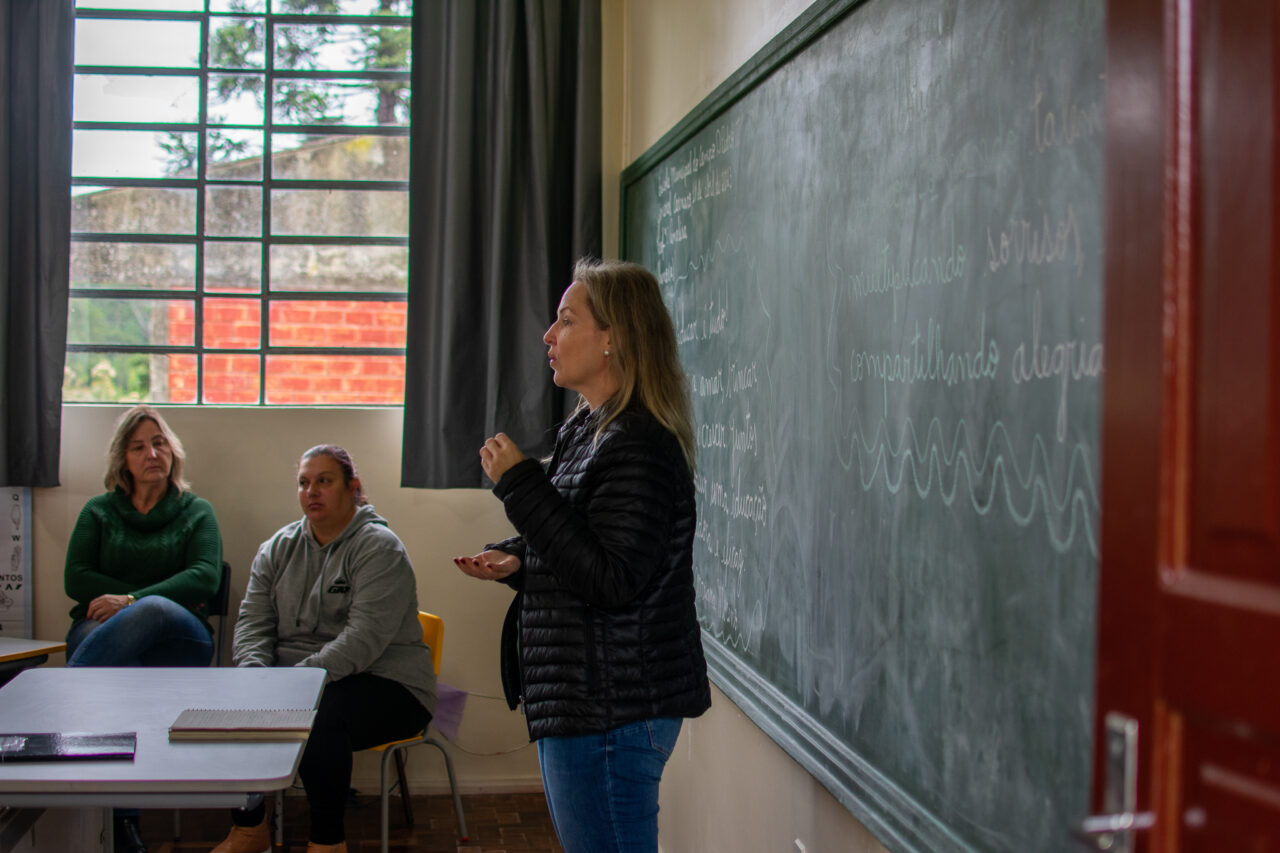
{"x": 625, "y": 299}
{"x": 117, "y": 456}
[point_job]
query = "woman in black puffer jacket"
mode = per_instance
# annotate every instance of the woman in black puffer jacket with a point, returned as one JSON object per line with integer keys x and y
{"x": 602, "y": 643}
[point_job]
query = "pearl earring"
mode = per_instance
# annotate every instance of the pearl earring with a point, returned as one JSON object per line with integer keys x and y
{"x": 606, "y": 352}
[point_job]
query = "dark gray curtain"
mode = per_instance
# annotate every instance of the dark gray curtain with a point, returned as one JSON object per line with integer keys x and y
{"x": 505, "y": 196}
{"x": 36, "y": 56}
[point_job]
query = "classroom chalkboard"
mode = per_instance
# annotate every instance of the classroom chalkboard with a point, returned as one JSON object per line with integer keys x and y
{"x": 881, "y": 245}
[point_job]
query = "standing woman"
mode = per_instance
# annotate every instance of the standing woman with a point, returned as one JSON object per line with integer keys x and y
{"x": 144, "y": 558}
{"x": 602, "y": 643}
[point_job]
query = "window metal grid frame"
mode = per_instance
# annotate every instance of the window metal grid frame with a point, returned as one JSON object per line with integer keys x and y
{"x": 268, "y": 183}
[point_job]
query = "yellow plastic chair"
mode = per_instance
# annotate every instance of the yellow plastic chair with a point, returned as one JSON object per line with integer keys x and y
{"x": 433, "y": 636}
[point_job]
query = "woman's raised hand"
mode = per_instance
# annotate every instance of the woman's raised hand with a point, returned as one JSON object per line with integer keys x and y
{"x": 498, "y": 454}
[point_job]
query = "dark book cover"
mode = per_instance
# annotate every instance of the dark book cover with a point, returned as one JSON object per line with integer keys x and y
{"x": 70, "y": 746}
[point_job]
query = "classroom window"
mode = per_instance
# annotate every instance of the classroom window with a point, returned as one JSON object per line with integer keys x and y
{"x": 239, "y": 202}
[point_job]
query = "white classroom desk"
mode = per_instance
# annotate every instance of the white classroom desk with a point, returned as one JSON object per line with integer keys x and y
{"x": 146, "y": 700}
{"x": 19, "y": 653}
{"x": 14, "y": 649}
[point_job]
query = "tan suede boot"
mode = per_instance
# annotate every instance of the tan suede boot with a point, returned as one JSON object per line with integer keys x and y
{"x": 246, "y": 839}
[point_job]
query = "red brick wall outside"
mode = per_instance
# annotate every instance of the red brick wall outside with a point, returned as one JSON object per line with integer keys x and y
{"x": 236, "y": 323}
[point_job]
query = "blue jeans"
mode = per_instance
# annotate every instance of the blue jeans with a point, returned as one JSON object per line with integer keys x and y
{"x": 602, "y": 789}
{"x": 153, "y": 631}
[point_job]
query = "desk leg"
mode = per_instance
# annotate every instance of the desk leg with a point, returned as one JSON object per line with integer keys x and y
{"x": 14, "y": 824}
{"x": 108, "y": 831}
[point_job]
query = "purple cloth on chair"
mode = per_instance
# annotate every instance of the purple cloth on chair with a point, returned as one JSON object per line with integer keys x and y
{"x": 450, "y": 702}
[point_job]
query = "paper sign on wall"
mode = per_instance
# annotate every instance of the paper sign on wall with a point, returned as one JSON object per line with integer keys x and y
{"x": 15, "y": 562}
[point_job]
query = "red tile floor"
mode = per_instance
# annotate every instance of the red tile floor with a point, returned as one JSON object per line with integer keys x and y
{"x": 497, "y": 823}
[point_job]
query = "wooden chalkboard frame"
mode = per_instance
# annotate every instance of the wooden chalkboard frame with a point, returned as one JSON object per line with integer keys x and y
{"x": 811, "y": 24}
{"x": 890, "y": 813}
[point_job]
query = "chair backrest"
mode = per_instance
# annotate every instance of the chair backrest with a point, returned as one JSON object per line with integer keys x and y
{"x": 217, "y": 606}
{"x": 432, "y": 635}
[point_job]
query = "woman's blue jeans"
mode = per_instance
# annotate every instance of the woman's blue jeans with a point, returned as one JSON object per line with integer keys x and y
{"x": 153, "y": 631}
{"x": 602, "y": 789}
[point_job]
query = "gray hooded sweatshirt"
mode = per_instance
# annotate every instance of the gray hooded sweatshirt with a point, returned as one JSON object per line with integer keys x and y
{"x": 350, "y": 606}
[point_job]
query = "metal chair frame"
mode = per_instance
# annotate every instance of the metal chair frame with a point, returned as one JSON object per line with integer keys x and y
{"x": 433, "y": 636}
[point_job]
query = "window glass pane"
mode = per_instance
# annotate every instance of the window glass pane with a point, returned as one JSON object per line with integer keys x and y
{"x": 134, "y": 210}
{"x": 337, "y": 324}
{"x": 307, "y": 47}
{"x": 237, "y": 99}
{"x": 340, "y": 7}
{"x": 234, "y": 155}
{"x": 384, "y": 269}
{"x": 237, "y": 42}
{"x": 353, "y": 380}
{"x": 135, "y": 294}
{"x": 344, "y": 102}
{"x": 129, "y": 377}
{"x": 136, "y": 98}
{"x": 345, "y": 47}
{"x": 340, "y": 213}
{"x": 340, "y": 158}
{"x": 232, "y": 323}
{"x": 233, "y": 212}
{"x": 231, "y": 379}
{"x": 237, "y": 5}
{"x": 130, "y": 153}
{"x": 233, "y": 267}
{"x": 155, "y": 44}
{"x": 157, "y": 322}
{"x": 157, "y": 5}
{"x": 150, "y": 266}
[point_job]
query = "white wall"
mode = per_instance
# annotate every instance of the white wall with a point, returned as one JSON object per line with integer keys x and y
{"x": 728, "y": 786}
{"x": 243, "y": 460}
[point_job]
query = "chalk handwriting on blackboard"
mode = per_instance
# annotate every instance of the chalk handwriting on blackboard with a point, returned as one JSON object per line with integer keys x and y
{"x": 1068, "y": 123}
{"x": 1044, "y": 242}
{"x": 1066, "y": 361}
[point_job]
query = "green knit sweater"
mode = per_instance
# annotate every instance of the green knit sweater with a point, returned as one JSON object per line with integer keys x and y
{"x": 175, "y": 550}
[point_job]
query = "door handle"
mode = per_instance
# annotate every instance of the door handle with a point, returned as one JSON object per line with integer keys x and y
{"x": 1113, "y": 830}
{"x": 1103, "y": 831}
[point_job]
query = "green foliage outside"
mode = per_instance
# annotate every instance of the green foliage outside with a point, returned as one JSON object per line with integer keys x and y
{"x": 107, "y": 377}
{"x": 242, "y": 44}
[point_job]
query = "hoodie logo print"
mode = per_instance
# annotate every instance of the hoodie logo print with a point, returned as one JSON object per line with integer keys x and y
{"x": 340, "y": 586}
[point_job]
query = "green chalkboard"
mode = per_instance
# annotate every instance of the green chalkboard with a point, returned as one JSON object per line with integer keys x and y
{"x": 881, "y": 244}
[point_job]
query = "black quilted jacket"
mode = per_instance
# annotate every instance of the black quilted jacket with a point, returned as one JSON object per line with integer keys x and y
{"x": 605, "y": 608}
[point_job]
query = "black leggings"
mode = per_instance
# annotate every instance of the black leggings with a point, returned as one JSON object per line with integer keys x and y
{"x": 355, "y": 713}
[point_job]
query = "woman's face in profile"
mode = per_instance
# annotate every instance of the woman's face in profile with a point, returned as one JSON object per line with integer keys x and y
{"x": 148, "y": 455}
{"x": 326, "y": 500}
{"x": 576, "y": 346}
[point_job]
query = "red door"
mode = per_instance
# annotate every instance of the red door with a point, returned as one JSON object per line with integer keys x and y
{"x": 1189, "y": 607}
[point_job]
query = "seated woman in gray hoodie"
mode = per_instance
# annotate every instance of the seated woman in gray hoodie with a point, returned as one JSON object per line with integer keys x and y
{"x": 335, "y": 590}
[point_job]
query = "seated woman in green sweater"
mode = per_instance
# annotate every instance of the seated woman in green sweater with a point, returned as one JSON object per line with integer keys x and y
{"x": 144, "y": 558}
